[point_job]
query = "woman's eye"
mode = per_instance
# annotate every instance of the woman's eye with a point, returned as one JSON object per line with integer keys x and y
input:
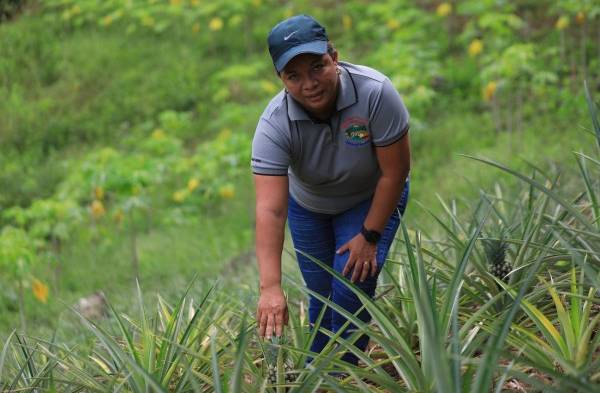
{"x": 317, "y": 67}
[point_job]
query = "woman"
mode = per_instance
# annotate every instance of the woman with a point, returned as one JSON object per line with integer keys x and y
{"x": 331, "y": 154}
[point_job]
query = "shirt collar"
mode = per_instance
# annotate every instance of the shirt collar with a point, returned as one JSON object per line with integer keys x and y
{"x": 346, "y": 97}
{"x": 295, "y": 110}
{"x": 347, "y": 93}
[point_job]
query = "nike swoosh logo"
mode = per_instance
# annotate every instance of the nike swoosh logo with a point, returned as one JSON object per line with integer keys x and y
{"x": 287, "y": 37}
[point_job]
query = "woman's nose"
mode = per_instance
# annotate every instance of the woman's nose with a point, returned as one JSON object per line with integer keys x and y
{"x": 310, "y": 83}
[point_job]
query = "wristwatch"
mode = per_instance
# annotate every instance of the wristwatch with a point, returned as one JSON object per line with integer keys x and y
{"x": 371, "y": 236}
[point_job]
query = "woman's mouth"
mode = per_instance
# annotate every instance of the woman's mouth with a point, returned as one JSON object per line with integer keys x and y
{"x": 314, "y": 97}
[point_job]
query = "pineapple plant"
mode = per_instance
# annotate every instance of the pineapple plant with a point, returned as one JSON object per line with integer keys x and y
{"x": 495, "y": 251}
{"x": 280, "y": 367}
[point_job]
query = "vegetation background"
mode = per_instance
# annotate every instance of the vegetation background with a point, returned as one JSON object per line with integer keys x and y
{"x": 125, "y": 132}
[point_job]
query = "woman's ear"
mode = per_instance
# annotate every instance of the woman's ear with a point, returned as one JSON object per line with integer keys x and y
{"x": 334, "y": 57}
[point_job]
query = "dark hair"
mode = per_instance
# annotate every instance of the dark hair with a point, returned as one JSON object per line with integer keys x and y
{"x": 330, "y": 51}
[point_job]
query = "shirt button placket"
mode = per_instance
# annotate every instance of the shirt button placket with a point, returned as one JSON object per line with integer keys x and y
{"x": 327, "y": 130}
{"x": 332, "y": 127}
{"x": 330, "y": 135}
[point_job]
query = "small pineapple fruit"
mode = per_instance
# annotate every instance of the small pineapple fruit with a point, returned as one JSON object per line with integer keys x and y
{"x": 271, "y": 373}
{"x": 278, "y": 363}
{"x": 495, "y": 251}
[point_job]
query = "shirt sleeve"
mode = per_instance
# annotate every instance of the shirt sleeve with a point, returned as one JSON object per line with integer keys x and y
{"x": 389, "y": 118}
{"x": 271, "y": 150}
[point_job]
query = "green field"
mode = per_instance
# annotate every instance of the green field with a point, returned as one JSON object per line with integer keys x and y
{"x": 125, "y": 133}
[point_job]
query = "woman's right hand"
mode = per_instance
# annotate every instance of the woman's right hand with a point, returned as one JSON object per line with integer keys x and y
{"x": 272, "y": 313}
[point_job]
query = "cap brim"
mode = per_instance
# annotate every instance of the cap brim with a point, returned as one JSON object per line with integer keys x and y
{"x": 316, "y": 47}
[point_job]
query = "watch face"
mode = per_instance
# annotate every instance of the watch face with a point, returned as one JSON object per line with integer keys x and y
{"x": 375, "y": 236}
{"x": 371, "y": 236}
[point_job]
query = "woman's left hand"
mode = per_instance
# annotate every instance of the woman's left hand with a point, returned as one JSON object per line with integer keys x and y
{"x": 362, "y": 258}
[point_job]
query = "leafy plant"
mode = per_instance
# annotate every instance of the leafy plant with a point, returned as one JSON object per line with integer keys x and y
{"x": 17, "y": 255}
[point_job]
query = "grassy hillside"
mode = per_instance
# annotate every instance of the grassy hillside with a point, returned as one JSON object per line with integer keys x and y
{"x": 124, "y": 146}
{"x": 70, "y": 89}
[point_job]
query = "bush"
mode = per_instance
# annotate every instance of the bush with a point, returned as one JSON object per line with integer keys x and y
{"x": 9, "y": 8}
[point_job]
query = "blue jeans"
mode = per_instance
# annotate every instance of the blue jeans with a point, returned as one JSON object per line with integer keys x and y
{"x": 320, "y": 235}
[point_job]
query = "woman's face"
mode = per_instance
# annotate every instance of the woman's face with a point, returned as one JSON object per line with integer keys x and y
{"x": 313, "y": 81}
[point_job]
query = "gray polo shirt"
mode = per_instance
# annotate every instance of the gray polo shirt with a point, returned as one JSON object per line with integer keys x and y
{"x": 332, "y": 165}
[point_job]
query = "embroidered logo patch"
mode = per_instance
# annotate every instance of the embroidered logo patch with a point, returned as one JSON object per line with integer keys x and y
{"x": 356, "y": 132}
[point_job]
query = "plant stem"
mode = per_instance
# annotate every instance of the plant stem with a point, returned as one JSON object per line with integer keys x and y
{"x": 583, "y": 51}
{"x": 56, "y": 245}
{"x": 134, "y": 253}
{"x": 519, "y": 108}
{"x": 598, "y": 41}
{"x": 496, "y": 114}
{"x": 562, "y": 47}
{"x": 21, "y": 306}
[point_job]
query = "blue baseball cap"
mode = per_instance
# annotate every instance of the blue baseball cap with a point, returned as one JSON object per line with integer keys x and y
{"x": 296, "y": 35}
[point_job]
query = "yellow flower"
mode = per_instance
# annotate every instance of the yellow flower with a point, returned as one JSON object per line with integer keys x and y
{"x": 193, "y": 183}
{"x": 580, "y": 18}
{"x": 76, "y": 9}
{"x": 215, "y": 24}
{"x": 562, "y": 22}
{"x": 227, "y": 191}
{"x": 196, "y": 28}
{"x": 347, "y": 22}
{"x": 107, "y": 20}
{"x": 393, "y": 24}
{"x": 180, "y": 196}
{"x": 119, "y": 216}
{"x": 40, "y": 290}
{"x": 256, "y": 3}
{"x": 195, "y": 3}
{"x": 97, "y": 209}
{"x": 147, "y": 20}
{"x": 444, "y": 9}
{"x": 475, "y": 48}
{"x": 158, "y": 134}
{"x": 490, "y": 90}
{"x": 175, "y": 3}
{"x": 99, "y": 193}
{"x": 224, "y": 135}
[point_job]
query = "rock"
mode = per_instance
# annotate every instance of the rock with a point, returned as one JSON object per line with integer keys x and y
{"x": 94, "y": 306}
